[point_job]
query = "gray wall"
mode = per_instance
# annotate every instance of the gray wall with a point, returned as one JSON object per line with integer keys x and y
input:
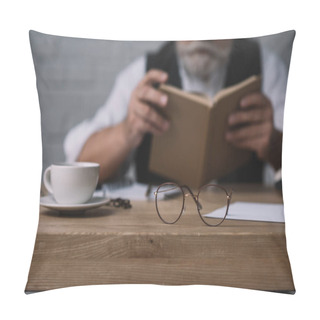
{"x": 75, "y": 76}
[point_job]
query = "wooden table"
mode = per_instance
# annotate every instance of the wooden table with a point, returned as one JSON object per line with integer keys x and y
{"x": 113, "y": 246}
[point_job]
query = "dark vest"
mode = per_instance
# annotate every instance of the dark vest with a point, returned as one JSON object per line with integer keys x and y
{"x": 244, "y": 62}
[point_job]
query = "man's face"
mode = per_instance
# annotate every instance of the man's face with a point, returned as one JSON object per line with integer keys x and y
{"x": 201, "y": 58}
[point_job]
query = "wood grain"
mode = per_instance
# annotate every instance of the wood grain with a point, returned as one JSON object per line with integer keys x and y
{"x": 113, "y": 246}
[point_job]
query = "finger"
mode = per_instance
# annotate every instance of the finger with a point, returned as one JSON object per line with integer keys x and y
{"x": 250, "y": 116}
{"x": 249, "y": 133}
{"x": 254, "y": 99}
{"x": 154, "y": 76}
{"x": 151, "y": 117}
{"x": 145, "y": 126}
{"x": 151, "y": 95}
{"x": 256, "y": 144}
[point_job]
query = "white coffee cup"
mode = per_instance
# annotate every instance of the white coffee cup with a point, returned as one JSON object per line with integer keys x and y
{"x": 72, "y": 183}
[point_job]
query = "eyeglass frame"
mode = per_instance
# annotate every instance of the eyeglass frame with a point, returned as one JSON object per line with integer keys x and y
{"x": 196, "y": 200}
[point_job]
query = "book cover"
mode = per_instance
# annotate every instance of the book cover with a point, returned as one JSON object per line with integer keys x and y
{"x": 194, "y": 150}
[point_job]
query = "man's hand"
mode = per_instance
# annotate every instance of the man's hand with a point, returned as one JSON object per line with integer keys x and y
{"x": 142, "y": 117}
{"x": 251, "y": 128}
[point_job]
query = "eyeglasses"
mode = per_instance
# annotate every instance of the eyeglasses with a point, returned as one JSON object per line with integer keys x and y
{"x": 211, "y": 199}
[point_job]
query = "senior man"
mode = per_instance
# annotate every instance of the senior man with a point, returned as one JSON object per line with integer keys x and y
{"x": 119, "y": 135}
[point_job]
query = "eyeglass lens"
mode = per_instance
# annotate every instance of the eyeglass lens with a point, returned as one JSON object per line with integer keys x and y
{"x": 213, "y": 200}
{"x": 169, "y": 202}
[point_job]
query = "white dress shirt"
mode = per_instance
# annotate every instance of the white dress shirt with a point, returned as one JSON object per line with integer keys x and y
{"x": 114, "y": 110}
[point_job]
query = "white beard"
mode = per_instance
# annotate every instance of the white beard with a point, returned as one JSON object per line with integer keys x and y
{"x": 202, "y": 58}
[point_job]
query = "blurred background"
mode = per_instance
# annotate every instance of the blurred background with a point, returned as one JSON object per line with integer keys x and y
{"x": 75, "y": 76}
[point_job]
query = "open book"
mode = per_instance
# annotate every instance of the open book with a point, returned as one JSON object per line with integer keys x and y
{"x": 194, "y": 150}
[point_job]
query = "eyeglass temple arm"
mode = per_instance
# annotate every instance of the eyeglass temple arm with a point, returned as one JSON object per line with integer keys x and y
{"x": 166, "y": 190}
{"x": 229, "y": 196}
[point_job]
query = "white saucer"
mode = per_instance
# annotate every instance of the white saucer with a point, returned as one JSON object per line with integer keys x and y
{"x": 94, "y": 202}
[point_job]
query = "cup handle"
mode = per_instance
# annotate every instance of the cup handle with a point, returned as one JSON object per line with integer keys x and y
{"x": 47, "y": 179}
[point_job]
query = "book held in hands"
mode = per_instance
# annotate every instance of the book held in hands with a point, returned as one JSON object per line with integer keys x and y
{"x": 194, "y": 149}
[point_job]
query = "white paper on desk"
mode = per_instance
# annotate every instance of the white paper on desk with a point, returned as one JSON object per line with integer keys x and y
{"x": 268, "y": 212}
{"x": 133, "y": 191}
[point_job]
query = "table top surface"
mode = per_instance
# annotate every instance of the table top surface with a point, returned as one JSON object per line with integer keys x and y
{"x": 142, "y": 217}
{"x": 110, "y": 245}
